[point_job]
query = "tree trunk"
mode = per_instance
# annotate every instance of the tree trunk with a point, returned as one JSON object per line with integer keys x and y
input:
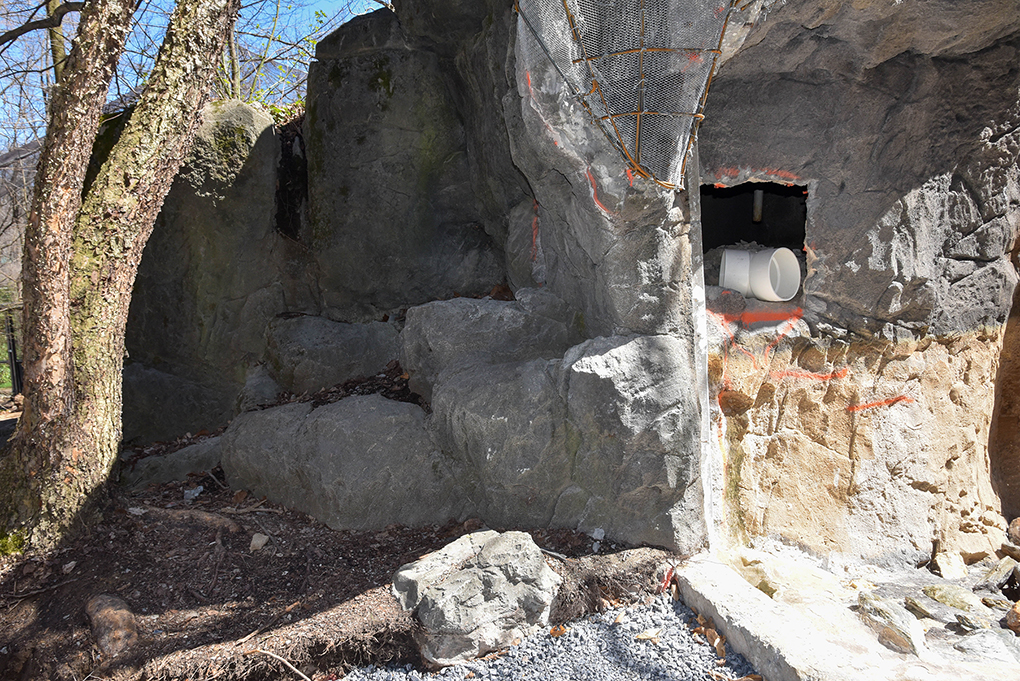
{"x": 59, "y": 459}
{"x": 56, "y": 35}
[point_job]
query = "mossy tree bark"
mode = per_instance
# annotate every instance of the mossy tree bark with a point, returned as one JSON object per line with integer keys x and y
{"x": 82, "y": 255}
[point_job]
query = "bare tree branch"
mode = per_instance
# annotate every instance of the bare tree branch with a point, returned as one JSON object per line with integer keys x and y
{"x": 52, "y": 21}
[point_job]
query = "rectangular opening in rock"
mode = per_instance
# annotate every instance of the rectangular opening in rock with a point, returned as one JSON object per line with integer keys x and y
{"x": 729, "y": 215}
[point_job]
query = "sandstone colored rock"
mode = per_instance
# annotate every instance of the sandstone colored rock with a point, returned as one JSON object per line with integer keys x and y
{"x": 1013, "y": 618}
{"x": 950, "y": 565}
{"x": 113, "y": 624}
{"x": 499, "y": 595}
{"x": 361, "y": 463}
{"x": 307, "y": 353}
{"x": 955, "y": 596}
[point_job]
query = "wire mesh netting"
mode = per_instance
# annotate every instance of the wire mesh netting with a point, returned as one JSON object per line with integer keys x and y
{"x": 640, "y": 68}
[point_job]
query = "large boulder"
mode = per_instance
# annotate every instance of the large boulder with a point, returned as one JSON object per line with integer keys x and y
{"x": 392, "y": 220}
{"x": 455, "y": 332}
{"x": 209, "y": 280}
{"x": 361, "y": 463}
{"x": 605, "y": 437}
{"x": 481, "y": 593}
{"x": 308, "y": 353}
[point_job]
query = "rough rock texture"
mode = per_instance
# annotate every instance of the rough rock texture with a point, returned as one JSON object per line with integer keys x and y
{"x": 496, "y": 589}
{"x": 865, "y": 425}
{"x": 602, "y": 438}
{"x": 392, "y": 216}
{"x": 897, "y": 629}
{"x": 208, "y": 281}
{"x": 450, "y": 333}
{"x": 361, "y": 463}
{"x": 843, "y": 445}
{"x": 307, "y": 353}
{"x": 196, "y": 458}
{"x": 906, "y": 230}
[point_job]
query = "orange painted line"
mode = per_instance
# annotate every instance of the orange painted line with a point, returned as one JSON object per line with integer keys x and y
{"x": 796, "y": 373}
{"x": 782, "y": 334}
{"x": 721, "y": 320}
{"x": 880, "y": 403}
{"x": 595, "y": 194}
{"x": 534, "y": 234}
{"x": 527, "y": 77}
{"x": 734, "y": 171}
{"x": 630, "y": 177}
{"x": 748, "y": 318}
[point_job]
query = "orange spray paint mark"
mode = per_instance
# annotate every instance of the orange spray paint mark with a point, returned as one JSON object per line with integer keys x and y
{"x": 775, "y": 173}
{"x": 534, "y": 234}
{"x": 527, "y": 78}
{"x": 880, "y": 403}
{"x": 782, "y": 334}
{"x": 797, "y": 374}
{"x": 630, "y": 177}
{"x": 595, "y": 194}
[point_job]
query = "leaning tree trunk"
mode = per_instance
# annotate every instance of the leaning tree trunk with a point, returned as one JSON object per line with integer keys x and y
{"x": 64, "y": 448}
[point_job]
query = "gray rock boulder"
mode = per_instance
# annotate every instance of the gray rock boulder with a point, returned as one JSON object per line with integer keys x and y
{"x": 307, "y": 353}
{"x": 209, "y": 280}
{"x": 160, "y": 405}
{"x": 392, "y": 220}
{"x": 450, "y": 333}
{"x": 361, "y": 463}
{"x": 196, "y": 458}
{"x": 603, "y": 438}
{"x": 485, "y": 591}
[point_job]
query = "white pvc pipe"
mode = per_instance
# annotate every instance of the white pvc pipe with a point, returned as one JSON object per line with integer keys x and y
{"x": 772, "y": 274}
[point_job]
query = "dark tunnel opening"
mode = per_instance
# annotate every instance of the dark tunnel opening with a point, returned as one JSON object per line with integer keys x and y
{"x": 729, "y": 215}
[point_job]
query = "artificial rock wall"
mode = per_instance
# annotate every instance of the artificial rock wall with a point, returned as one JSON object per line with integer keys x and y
{"x": 856, "y": 419}
{"x": 619, "y": 392}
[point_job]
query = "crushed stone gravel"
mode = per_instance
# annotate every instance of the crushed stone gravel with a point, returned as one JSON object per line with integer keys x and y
{"x": 602, "y": 647}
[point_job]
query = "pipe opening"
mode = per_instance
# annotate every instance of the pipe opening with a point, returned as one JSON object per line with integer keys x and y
{"x": 728, "y": 215}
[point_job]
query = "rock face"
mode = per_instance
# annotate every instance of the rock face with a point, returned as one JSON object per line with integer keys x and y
{"x": 479, "y": 594}
{"x": 445, "y": 156}
{"x": 391, "y": 208}
{"x": 598, "y": 436}
{"x": 361, "y": 463}
{"x": 844, "y": 443}
{"x": 307, "y": 353}
{"x": 209, "y": 281}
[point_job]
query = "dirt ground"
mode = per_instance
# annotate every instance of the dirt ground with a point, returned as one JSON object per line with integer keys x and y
{"x": 208, "y": 607}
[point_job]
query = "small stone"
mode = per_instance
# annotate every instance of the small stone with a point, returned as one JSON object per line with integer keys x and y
{"x": 996, "y": 578}
{"x": 950, "y": 566}
{"x": 258, "y": 541}
{"x": 598, "y": 534}
{"x": 997, "y": 603}
{"x": 954, "y": 596}
{"x": 113, "y": 624}
{"x": 897, "y": 629}
{"x": 987, "y": 643}
{"x": 1013, "y": 618}
{"x": 972, "y": 622}
{"x": 1014, "y": 531}
{"x": 919, "y": 609}
{"x": 1011, "y": 550}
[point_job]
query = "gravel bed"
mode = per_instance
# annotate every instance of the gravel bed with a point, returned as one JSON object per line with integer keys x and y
{"x": 596, "y": 648}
